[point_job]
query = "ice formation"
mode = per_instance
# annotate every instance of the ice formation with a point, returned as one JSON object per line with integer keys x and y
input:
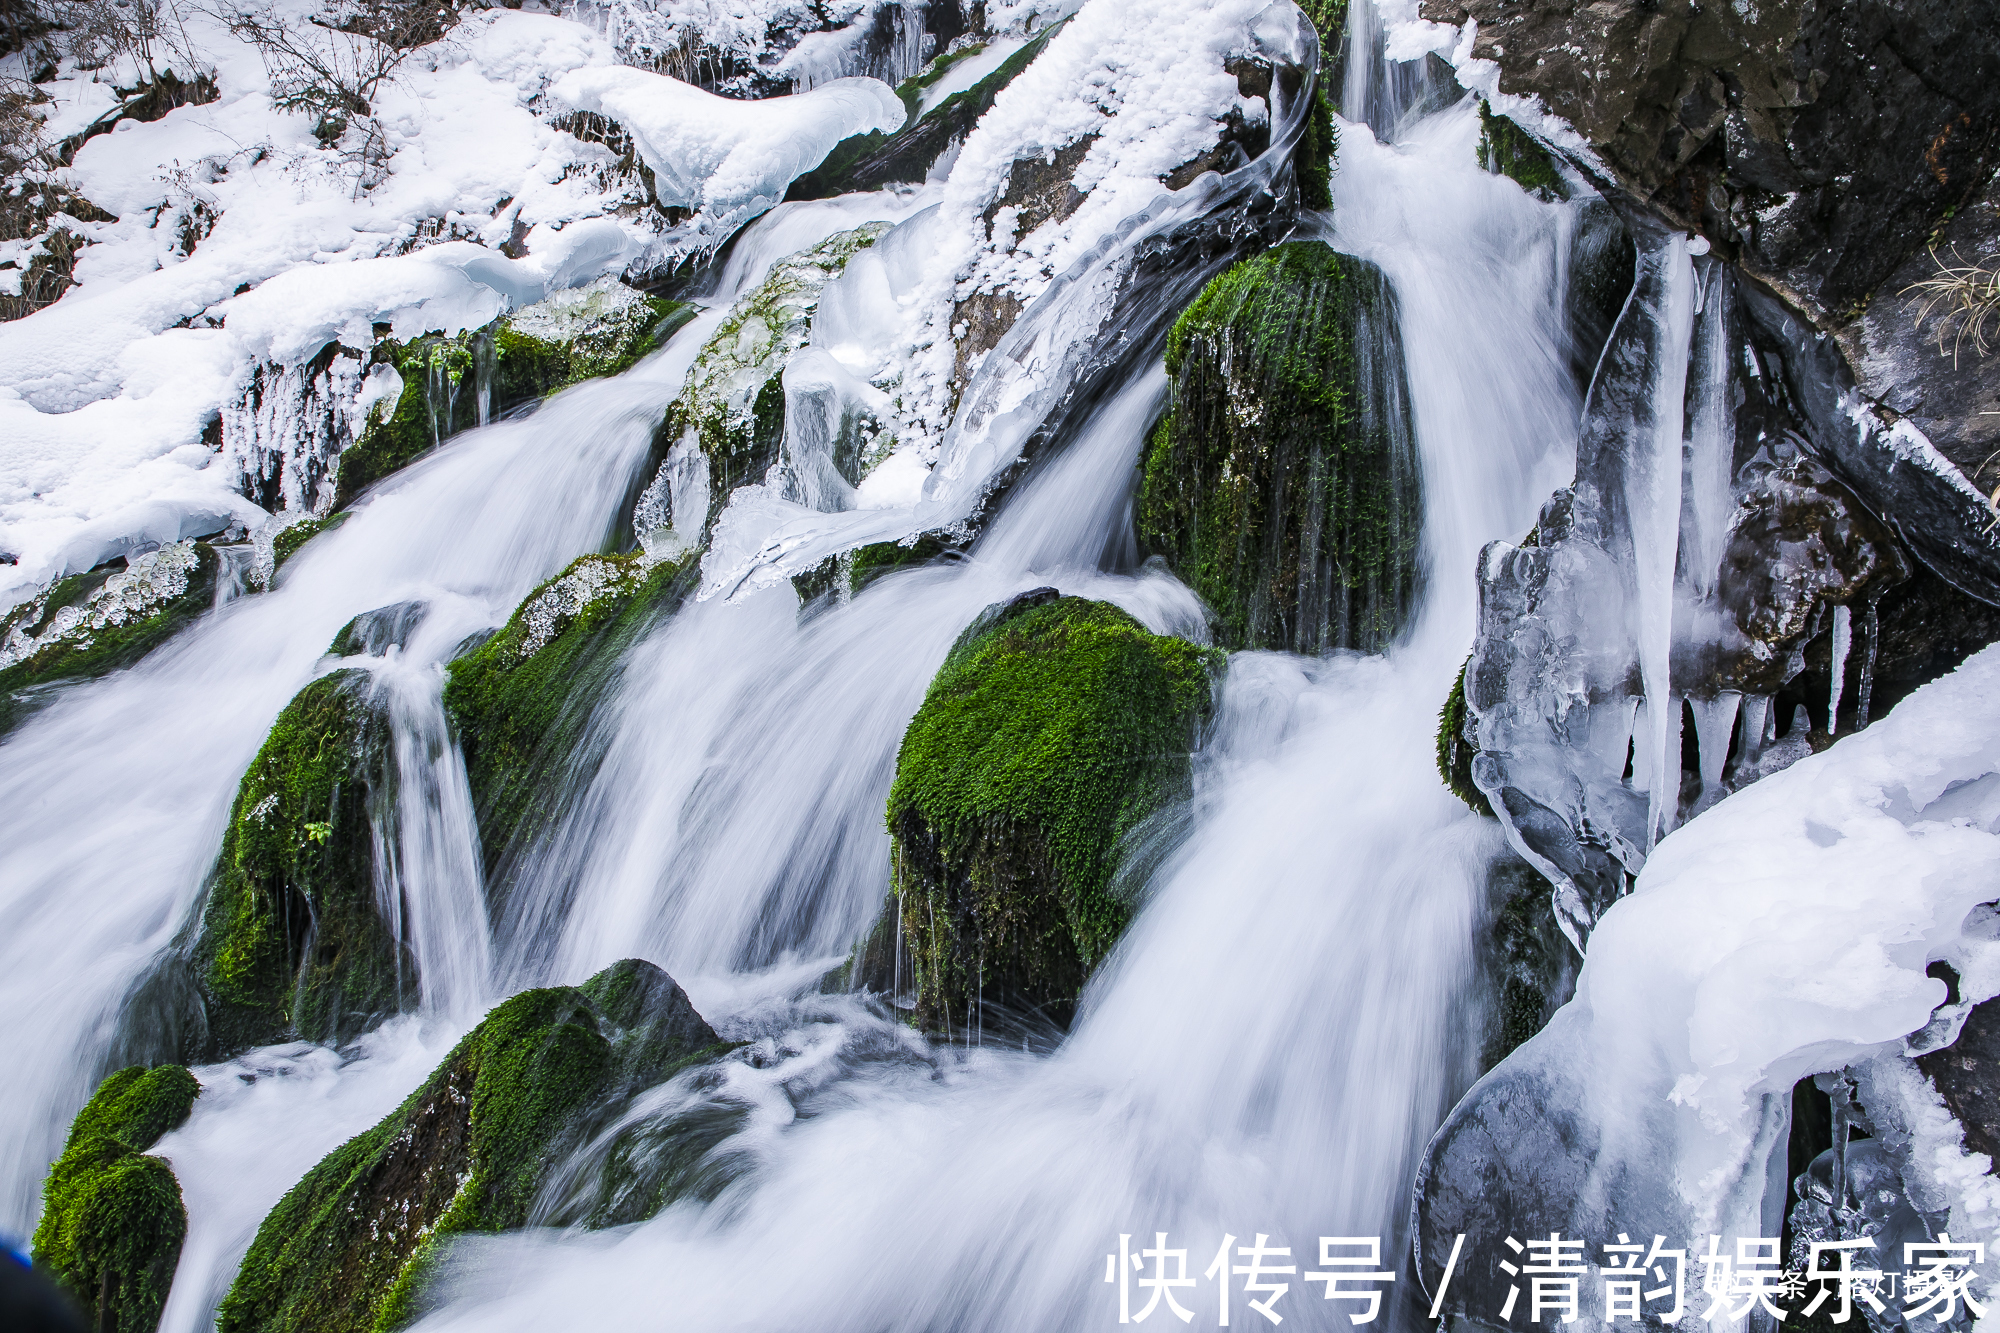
{"x": 1783, "y": 933}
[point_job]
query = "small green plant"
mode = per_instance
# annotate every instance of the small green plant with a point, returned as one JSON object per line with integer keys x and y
{"x": 1968, "y": 296}
{"x": 318, "y": 833}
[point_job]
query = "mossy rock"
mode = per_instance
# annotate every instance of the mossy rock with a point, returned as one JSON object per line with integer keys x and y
{"x": 348, "y": 1248}
{"x": 734, "y": 402}
{"x": 290, "y": 940}
{"x": 873, "y": 160}
{"x": 847, "y": 574}
{"x": 599, "y": 330}
{"x": 292, "y": 537}
{"x": 112, "y": 1219}
{"x": 1282, "y": 485}
{"x": 1505, "y": 149}
{"x": 1456, "y": 746}
{"x": 521, "y": 700}
{"x": 1055, "y": 726}
{"x": 89, "y": 625}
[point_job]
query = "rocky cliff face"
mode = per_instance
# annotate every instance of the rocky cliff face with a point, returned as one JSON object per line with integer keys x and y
{"x": 1822, "y": 146}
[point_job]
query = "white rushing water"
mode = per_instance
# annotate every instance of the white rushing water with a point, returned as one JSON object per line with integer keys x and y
{"x": 1282, "y": 1025}
{"x": 1266, "y": 1051}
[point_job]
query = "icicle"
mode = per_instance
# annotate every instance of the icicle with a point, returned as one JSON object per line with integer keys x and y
{"x": 1871, "y": 634}
{"x": 1753, "y": 732}
{"x": 1843, "y": 639}
{"x": 1666, "y": 793}
{"x": 484, "y": 360}
{"x": 1653, "y": 508}
{"x": 1714, "y": 723}
{"x": 1711, "y": 438}
{"x": 1642, "y": 753}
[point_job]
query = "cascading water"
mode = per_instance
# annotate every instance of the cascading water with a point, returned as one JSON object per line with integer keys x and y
{"x": 1265, "y": 1052}
{"x": 1280, "y": 1028}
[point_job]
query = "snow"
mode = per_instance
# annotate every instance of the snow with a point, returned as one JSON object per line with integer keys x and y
{"x": 728, "y": 160}
{"x": 105, "y": 396}
{"x": 1785, "y": 932}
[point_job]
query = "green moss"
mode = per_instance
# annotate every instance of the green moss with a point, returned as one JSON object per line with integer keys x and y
{"x": 522, "y": 699}
{"x": 1054, "y": 727}
{"x": 112, "y": 1219}
{"x": 562, "y": 341}
{"x": 89, "y": 625}
{"x": 1312, "y": 160}
{"x": 1455, "y": 748}
{"x": 1330, "y": 18}
{"x": 347, "y": 1249}
{"x": 1282, "y": 485}
{"x": 1505, "y": 149}
{"x": 290, "y": 939}
{"x": 288, "y": 541}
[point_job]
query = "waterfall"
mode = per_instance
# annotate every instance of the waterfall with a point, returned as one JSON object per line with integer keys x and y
{"x": 121, "y": 788}
{"x": 1267, "y": 1049}
{"x": 1282, "y": 1026}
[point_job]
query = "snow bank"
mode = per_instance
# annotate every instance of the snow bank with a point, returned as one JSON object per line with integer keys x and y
{"x": 239, "y": 241}
{"x": 728, "y": 160}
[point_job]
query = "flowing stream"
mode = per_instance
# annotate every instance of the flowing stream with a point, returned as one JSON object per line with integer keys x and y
{"x": 1283, "y": 1025}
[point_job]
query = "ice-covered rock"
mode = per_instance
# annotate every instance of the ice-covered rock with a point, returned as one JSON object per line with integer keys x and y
{"x": 1787, "y": 931}
{"x": 1707, "y": 541}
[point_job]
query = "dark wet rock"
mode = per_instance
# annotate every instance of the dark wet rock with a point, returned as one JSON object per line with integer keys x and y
{"x": 1821, "y": 142}
{"x": 1929, "y": 368}
{"x": 1283, "y": 486}
{"x": 1818, "y": 534}
{"x": 112, "y": 1220}
{"x": 1054, "y": 728}
{"x": 373, "y": 633}
{"x": 290, "y": 940}
{"x": 347, "y": 1250}
{"x": 874, "y": 160}
{"x": 1967, "y": 1075}
{"x": 1529, "y": 969}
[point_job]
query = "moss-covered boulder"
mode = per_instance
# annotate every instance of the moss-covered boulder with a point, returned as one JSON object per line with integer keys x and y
{"x": 521, "y": 700}
{"x": 1282, "y": 486}
{"x": 92, "y": 624}
{"x": 1055, "y": 727}
{"x": 598, "y": 330}
{"x": 112, "y": 1218}
{"x": 346, "y": 1251}
{"x": 734, "y": 402}
{"x": 290, "y": 940}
